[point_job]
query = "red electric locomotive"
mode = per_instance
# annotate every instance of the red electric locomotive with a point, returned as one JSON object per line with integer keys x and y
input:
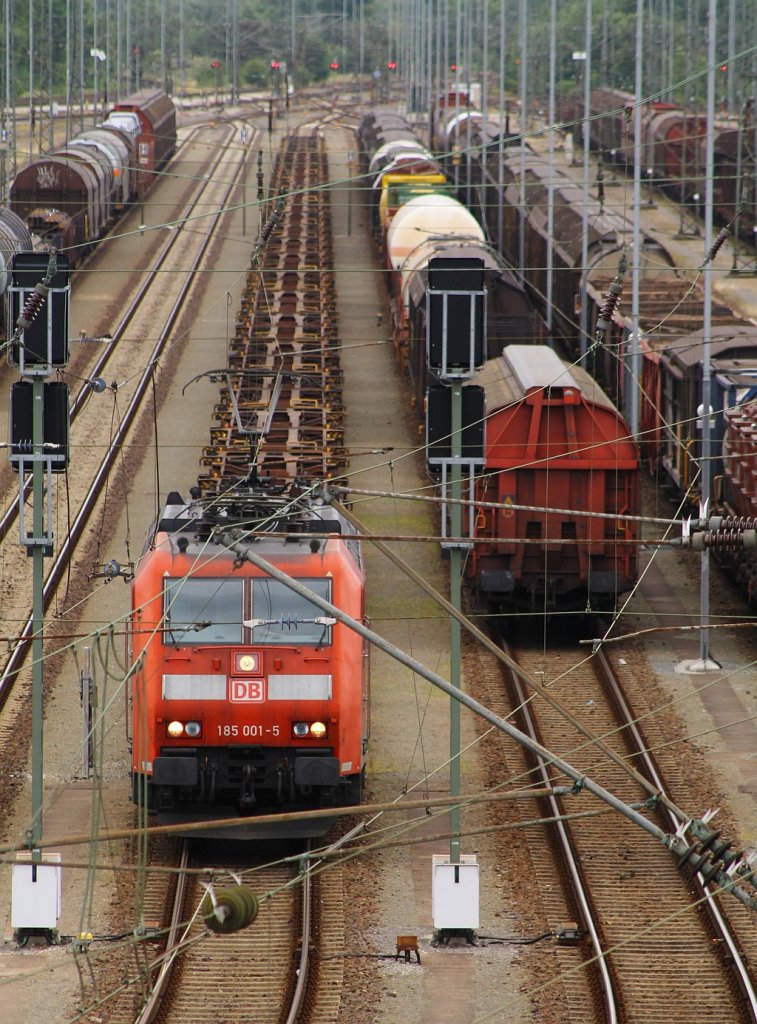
{"x": 248, "y": 698}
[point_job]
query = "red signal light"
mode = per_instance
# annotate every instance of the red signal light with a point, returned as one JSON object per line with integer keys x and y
{"x": 453, "y": 67}
{"x": 215, "y": 64}
{"x": 275, "y": 65}
{"x": 391, "y": 65}
{"x": 334, "y": 65}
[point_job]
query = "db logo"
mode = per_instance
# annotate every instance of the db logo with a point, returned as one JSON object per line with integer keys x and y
{"x": 243, "y": 691}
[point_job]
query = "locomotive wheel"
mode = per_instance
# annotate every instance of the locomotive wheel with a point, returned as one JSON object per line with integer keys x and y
{"x": 238, "y": 906}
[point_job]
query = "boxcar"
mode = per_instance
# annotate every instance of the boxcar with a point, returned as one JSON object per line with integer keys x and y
{"x": 555, "y": 444}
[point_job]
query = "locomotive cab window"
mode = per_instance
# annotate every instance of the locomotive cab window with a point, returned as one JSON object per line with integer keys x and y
{"x": 207, "y": 611}
{"x": 283, "y": 617}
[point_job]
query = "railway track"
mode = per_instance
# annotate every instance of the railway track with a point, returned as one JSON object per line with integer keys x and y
{"x": 248, "y": 975}
{"x": 142, "y": 336}
{"x": 648, "y": 951}
{"x": 180, "y": 971}
{"x": 284, "y": 967}
{"x": 280, "y": 415}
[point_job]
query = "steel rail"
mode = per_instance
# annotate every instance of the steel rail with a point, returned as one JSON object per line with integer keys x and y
{"x": 649, "y": 768}
{"x": 155, "y": 999}
{"x": 572, "y": 860}
{"x": 302, "y": 965}
{"x": 298, "y": 965}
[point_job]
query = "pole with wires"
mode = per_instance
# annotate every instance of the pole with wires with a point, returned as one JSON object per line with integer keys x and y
{"x": 39, "y": 303}
{"x": 705, "y": 663}
{"x": 634, "y": 342}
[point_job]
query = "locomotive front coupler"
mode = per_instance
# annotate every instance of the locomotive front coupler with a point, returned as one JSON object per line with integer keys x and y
{"x": 247, "y": 796}
{"x": 284, "y": 781}
{"x": 207, "y": 780}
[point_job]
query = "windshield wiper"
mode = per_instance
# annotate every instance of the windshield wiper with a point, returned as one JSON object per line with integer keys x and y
{"x": 290, "y": 622}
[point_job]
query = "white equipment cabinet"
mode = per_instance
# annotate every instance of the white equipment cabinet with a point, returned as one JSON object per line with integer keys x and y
{"x": 36, "y": 892}
{"x": 454, "y": 892}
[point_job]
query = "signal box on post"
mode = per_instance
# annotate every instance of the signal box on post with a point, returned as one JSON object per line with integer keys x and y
{"x": 456, "y": 317}
{"x": 56, "y": 424}
{"x": 44, "y": 344}
{"x": 439, "y": 424}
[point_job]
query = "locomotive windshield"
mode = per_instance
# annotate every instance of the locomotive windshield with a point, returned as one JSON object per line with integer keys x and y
{"x": 204, "y": 611}
{"x": 207, "y": 611}
{"x": 284, "y": 617}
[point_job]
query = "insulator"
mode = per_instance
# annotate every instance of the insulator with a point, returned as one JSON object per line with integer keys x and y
{"x": 612, "y": 298}
{"x": 232, "y": 909}
{"x": 691, "y": 855}
{"x": 708, "y": 869}
{"x": 709, "y": 840}
{"x": 717, "y": 245}
{"x": 733, "y": 523}
{"x": 32, "y": 306}
{"x": 723, "y": 540}
{"x": 600, "y": 186}
{"x": 719, "y": 850}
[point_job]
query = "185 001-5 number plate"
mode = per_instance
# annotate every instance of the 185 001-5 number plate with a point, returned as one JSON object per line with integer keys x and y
{"x": 247, "y": 731}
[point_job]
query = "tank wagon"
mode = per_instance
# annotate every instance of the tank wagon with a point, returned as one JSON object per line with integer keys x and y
{"x": 395, "y": 165}
{"x": 435, "y": 226}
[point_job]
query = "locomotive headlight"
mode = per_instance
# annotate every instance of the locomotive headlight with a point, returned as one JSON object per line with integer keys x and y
{"x": 175, "y": 729}
{"x": 192, "y": 729}
{"x": 247, "y": 662}
{"x": 317, "y": 730}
